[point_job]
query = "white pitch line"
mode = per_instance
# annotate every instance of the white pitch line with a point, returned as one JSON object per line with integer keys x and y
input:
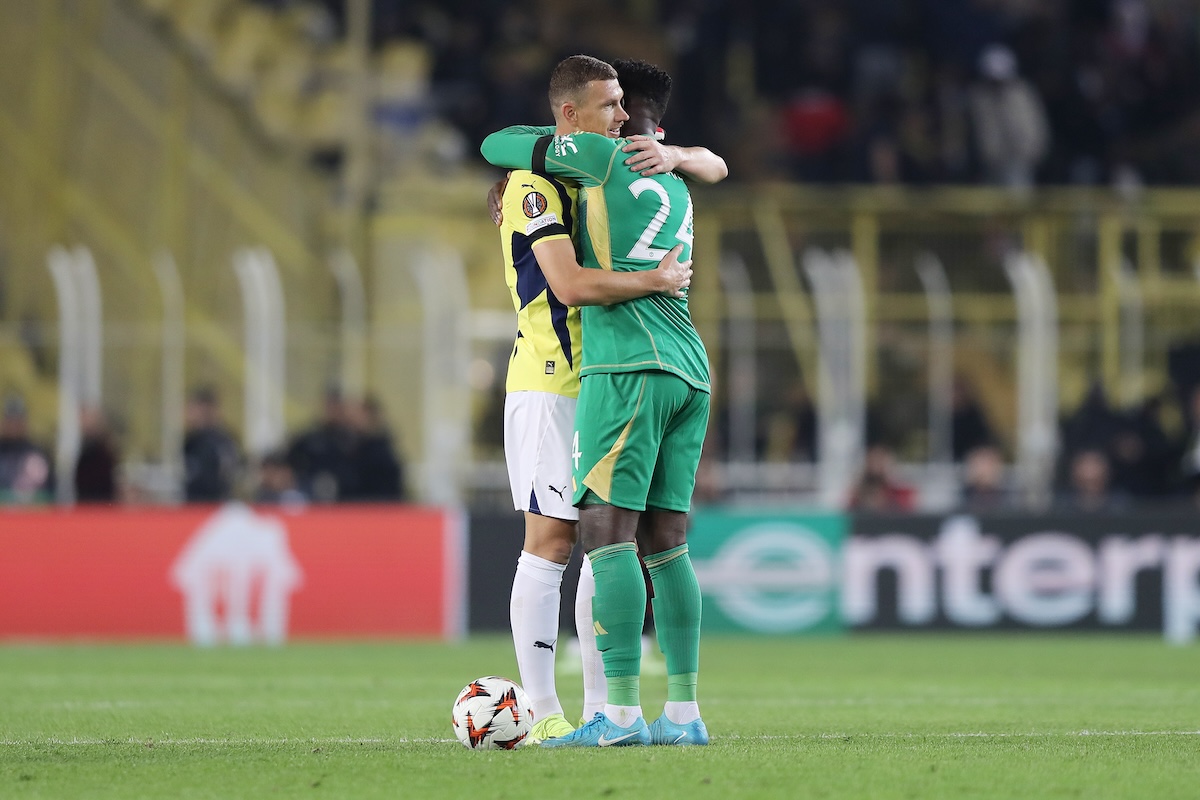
{"x": 166, "y": 742}
{"x": 151, "y": 742}
{"x": 960, "y": 735}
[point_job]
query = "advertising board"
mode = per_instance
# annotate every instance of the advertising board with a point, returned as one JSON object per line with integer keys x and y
{"x": 232, "y": 573}
{"x": 1073, "y": 571}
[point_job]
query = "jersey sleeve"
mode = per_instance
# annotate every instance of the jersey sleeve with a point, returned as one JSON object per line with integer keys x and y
{"x": 517, "y": 147}
{"x": 585, "y": 158}
{"x": 533, "y": 206}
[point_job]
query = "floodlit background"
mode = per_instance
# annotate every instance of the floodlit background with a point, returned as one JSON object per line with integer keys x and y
{"x": 957, "y": 253}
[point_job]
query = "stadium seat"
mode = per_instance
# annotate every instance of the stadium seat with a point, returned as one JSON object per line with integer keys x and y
{"x": 163, "y": 9}
{"x": 325, "y": 119}
{"x": 402, "y": 71}
{"x": 249, "y": 41}
{"x": 198, "y": 21}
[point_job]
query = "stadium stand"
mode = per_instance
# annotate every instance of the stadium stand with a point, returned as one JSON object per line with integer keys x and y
{"x": 199, "y": 128}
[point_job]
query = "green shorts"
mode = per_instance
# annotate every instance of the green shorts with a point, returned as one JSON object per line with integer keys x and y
{"x": 638, "y": 437}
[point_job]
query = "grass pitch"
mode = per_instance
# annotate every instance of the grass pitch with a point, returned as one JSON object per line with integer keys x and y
{"x": 864, "y": 716}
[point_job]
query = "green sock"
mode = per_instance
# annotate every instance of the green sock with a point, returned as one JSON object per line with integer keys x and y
{"x": 625, "y": 690}
{"x": 677, "y": 619}
{"x": 618, "y": 611}
{"x": 681, "y": 688}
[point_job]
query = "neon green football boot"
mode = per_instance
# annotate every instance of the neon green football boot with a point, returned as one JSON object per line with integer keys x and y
{"x": 549, "y": 728}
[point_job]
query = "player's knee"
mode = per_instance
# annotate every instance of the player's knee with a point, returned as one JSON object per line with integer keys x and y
{"x": 666, "y": 530}
{"x": 548, "y": 538}
{"x": 602, "y": 525}
{"x": 556, "y": 550}
{"x": 591, "y": 539}
{"x": 667, "y": 540}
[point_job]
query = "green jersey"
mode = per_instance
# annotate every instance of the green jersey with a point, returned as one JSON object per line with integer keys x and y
{"x": 629, "y": 222}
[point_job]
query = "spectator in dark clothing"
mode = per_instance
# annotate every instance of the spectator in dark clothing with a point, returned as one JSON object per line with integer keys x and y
{"x": 970, "y": 428}
{"x": 323, "y": 456}
{"x": 26, "y": 475}
{"x": 1190, "y": 479}
{"x": 1089, "y": 486}
{"x": 790, "y": 434}
{"x": 210, "y": 455}
{"x": 1188, "y": 454}
{"x": 878, "y": 488}
{"x": 984, "y": 488}
{"x": 1143, "y": 456}
{"x": 1094, "y": 423}
{"x": 379, "y": 473}
{"x": 95, "y": 470}
{"x": 277, "y": 482}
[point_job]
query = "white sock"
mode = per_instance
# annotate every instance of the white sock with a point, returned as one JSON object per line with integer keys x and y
{"x": 682, "y": 712}
{"x": 533, "y": 615}
{"x": 622, "y": 715}
{"x": 595, "y": 685}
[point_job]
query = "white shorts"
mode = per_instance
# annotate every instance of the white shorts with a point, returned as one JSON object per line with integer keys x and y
{"x": 538, "y": 428}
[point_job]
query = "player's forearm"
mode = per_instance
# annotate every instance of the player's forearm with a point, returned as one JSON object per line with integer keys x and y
{"x": 598, "y": 287}
{"x": 578, "y": 286}
{"x": 512, "y": 148}
{"x": 702, "y": 164}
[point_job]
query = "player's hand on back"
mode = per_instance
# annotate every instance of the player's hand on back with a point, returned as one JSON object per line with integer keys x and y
{"x": 651, "y": 157}
{"x": 675, "y": 275}
{"x": 495, "y": 200}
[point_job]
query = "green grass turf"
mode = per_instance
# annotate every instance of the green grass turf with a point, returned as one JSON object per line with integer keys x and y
{"x": 858, "y": 717}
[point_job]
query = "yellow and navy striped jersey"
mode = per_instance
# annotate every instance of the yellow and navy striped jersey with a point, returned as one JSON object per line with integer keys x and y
{"x": 548, "y": 350}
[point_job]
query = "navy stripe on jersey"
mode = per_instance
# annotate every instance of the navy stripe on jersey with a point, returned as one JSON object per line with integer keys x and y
{"x": 538, "y": 162}
{"x": 531, "y": 282}
{"x": 553, "y": 229}
{"x": 565, "y": 199}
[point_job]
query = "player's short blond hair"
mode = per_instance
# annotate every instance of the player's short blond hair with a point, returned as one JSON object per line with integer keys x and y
{"x": 572, "y": 75}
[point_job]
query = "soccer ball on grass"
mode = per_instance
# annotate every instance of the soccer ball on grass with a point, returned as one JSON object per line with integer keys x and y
{"x": 492, "y": 713}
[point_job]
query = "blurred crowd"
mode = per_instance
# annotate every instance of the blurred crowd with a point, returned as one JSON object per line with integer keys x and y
{"x": 1110, "y": 458}
{"x": 347, "y": 455}
{"x": 1010, "y": 92}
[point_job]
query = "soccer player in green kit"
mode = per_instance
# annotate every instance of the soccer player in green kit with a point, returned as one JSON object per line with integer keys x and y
{"x": 643, "y": 409}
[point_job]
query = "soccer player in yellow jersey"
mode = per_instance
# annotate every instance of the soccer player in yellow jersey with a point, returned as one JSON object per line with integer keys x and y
{"x": 538, "y": 223}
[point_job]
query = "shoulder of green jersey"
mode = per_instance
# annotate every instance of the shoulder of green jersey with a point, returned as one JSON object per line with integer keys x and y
{"x": 586, "y": 142}
{"x": 585, "y": 156}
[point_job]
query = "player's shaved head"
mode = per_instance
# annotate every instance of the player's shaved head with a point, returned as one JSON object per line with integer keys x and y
{"x": 645, "y": 82}
{"x": 572, "y": 75}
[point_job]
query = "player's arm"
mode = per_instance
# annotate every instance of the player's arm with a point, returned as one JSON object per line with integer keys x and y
{"x": 514, "y": 147}
{"x": 651, "y": 157}
{"x": 495, "y": 200}
{"x": 578, "y": 286}
{"x": 584, "y": 158}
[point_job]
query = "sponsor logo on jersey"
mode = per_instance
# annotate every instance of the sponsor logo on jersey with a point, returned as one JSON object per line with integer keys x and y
{"x": 549, "y": 367}
{"x": 540, "y": 222}
{"x": 534, "y": 204}
{"x": 563, "y": 145}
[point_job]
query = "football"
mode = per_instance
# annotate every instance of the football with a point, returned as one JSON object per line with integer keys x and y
{"x": 492, "y": 713}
